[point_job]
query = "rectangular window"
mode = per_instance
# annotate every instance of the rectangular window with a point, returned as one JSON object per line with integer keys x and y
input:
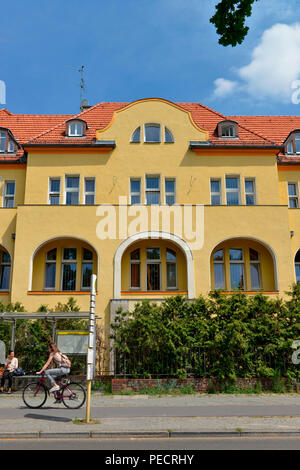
{"x": 75, "y": 129}
{"x": 87, "y": 269}
{"x": 170, "y": 191}
{"x": 152, "y": 133}
{"x": 152, "y": 190}
{"x": 171, "y": 269}
{"x": 89, "y": 191}
{"x": 72, "y": 190}
{"x": 219, "y": 271}
{"x": 153, "y": 269}
{"x": 293, "y": 196}
{"x": 135, "y": 191}
{"x": 69, "y": 268}
{"x": 54, "y": 191}
{"x": 215, "y": 192}
{"x": 50, "y": 271}
{"x": 250, "y": 191}
{"x": 9, "y": 194}
{"x": 135, "y": 269}
{"x": 237, "y": 271}
{"x": 233, "y": 190}
{"x": 10, "y": 146}
{"x": 255, "y": 270}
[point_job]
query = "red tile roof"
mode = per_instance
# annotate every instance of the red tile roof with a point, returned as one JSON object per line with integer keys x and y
{"x": 254, "y": 131}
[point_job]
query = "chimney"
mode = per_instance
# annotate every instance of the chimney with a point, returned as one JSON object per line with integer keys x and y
{"x": 84, "y": 105}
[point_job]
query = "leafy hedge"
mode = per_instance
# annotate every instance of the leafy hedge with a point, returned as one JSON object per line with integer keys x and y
{"x": 221, "y": 336}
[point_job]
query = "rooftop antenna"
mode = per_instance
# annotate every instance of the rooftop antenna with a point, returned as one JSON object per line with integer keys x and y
{"x": 83, "y": 101}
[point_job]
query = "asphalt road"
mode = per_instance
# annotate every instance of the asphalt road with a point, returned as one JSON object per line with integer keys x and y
{"x": 242, "y": 443}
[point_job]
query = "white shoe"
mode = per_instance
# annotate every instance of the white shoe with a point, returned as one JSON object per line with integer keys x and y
{"x": 54, "y": 388}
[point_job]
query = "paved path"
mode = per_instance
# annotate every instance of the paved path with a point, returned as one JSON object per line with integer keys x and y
{"x": 165, "y": 416}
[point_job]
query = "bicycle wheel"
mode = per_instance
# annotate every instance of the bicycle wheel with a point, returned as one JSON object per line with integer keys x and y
{"x": 73, "y": 395}
{"x": 34, "y": 395}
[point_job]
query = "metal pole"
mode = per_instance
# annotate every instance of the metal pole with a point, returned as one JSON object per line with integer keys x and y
{"x": 91, "y": 347}
{"x": 13, "y": 335}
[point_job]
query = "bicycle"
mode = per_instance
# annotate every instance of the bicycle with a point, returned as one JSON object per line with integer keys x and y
{"x": 71, "y": 394}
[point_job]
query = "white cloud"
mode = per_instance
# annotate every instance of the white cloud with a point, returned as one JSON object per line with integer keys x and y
{"x": 274, "y": 66}
{"x": 223, "y": 87}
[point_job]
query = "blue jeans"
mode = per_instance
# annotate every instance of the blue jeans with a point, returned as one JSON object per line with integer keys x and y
{"x": 53, "y": 373}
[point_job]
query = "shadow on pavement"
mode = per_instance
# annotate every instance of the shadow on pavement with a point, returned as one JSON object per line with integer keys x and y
{"x": 47, "y": 417}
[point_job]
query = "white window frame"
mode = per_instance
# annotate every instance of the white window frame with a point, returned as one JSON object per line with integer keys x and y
{"x": 153, "y": 124}
{"x": 253, "y": 180}
{"x": 135, "y": 130}
{"x": 170, "y": 178}
{"x": 153, "y": 261}
{"x": 152, "y": 190}
{"x": 9, "y": 196}
{"x": 228, "y": 126}
{"x": 9, "y": 145}
{"x": 53, "y": 193}
{"x": 63, "y": 262}
{"x": 233, "y": 190}
{"x": 71, "y": 190}
{"x": 215, "y": 194}
{"x": 296, "y": 197}
{"x": 296, "y": 137}
{"x": 76, "y": 133}
{"x": 89, "y": 193}
{"x": 134, "y": 261}
{"x": 132, "y": 193}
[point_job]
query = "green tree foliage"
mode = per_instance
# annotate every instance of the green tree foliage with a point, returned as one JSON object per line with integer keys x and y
{"x": 221, "y": 336}
{"x": 32, "y": 336}
{"x": 229, "y": 20}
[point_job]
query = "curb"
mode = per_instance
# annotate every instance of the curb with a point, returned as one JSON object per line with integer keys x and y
{"x": 145, "y": 434}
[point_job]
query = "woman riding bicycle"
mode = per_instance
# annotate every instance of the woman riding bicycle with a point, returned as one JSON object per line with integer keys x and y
{"x": 62, "y": 362}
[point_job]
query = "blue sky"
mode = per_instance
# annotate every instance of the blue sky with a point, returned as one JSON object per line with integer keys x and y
{"x": 136, "y": 49}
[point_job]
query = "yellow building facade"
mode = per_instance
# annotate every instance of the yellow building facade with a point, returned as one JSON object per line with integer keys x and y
{"x": 155, "y": 198}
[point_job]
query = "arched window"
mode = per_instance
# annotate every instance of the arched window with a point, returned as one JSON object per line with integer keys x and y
{"x": 297, "y": 266}
{"x": 50, "y": 272}
{"x": 136, "y": 135}
{"x": 76, "y": 128}
{"x": 5, "y": 264}
{"x": 227, "y": 129}
{"x": 169, "y": 139}
{"x": 152, "y": 133}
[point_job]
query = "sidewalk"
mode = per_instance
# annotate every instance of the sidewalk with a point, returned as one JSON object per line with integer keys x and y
{"x": 147, "y": 416}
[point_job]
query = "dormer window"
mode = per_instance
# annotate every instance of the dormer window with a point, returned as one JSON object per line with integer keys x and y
{"x": 153, "y": 133}
{"x": 7, "y": 143}
{"x": 227, "y": 129}
{"x": 75, "y": 129}
{"x": 292, "y": 144}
